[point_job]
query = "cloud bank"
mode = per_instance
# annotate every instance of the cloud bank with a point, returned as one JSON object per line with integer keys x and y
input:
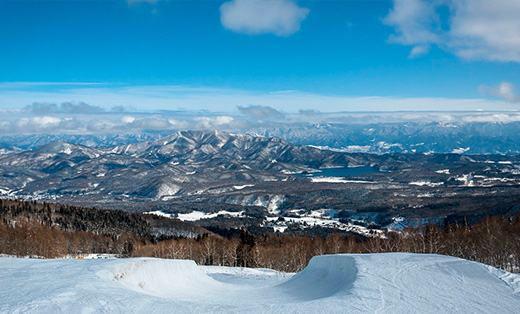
{"x": 253, "y": 17}
{"x": 260, "y": 111}
{"x": 66, "y": 107}
{"x": 471, "y": 29}
{"x": 12, "y": 123}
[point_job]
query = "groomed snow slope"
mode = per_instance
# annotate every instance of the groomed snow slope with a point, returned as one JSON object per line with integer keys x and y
{"x": 371, "y": 283}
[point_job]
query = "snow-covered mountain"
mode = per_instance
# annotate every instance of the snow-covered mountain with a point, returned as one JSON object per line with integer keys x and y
{"x": 32, "y": 141}
{"x": 404, "y": 137}
{"x": 214, "y": 171}
{"x": 456, "y": 136}
{"x": 178, "y": 164}
{"x": 367, "y": 283}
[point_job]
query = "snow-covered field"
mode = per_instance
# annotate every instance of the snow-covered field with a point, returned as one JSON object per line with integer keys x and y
{"x": 196, "y": 215}
{"x": 320, "y": 217}
{"x": 371, "y": 283}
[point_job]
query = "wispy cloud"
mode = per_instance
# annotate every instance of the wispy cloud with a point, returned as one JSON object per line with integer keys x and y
{"x": 415, "y": 23}
{"x": 471, "y": 29}
{"x": 118, "y": 98}
{"x": 66, "y": 107}
{"x": 504, "y": 90}
{"x": 419, "y": 51}
{"x": 279, "y": 17}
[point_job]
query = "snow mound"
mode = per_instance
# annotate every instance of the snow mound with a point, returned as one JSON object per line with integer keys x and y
{"x": 322, "y": 278}
{"x": 512, "y": 280}
{"x": 180, "y": 279}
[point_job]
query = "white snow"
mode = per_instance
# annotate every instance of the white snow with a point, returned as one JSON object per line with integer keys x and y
{"x": 274, "y": 203}
{"x": 328, "y": 179}
{"x": 240, "y": 187}
{"x": 198, "y": 215}
{"x": 460, "y": 150}
{"x": 466, "y": 179}
{"x": 316, "y": 218}
{"x": 384, "y": 145}
{"x": 159, "y": 213}
{"x": 426, "y": 183}
{"x": 348, "y": 149}
{"x": 335, "y": 180}
{"x": 167, "y": 189}
{"x": 285, "y": 171}
{"x": 255, "y": 276}
{"x": 358, "y": 148}
{"x": 492, "y": 181}
{"x": 357, "y": 283}
{"x": 398, "y": 223}
{"x": 443, "y": 171}
{"x": 279, "y": 228}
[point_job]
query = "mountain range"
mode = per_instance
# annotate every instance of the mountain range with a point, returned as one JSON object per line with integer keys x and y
{"x": 396, "y": 137}
{"x": 213, "y": 174}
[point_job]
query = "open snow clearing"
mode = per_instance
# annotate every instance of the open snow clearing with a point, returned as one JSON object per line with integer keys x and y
{"x": 346, "y": 283}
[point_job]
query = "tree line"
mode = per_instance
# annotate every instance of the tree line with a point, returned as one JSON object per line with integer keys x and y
{"x": 494, "y": 241}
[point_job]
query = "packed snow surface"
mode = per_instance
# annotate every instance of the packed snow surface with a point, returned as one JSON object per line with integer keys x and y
{"x": 370, "y": 283}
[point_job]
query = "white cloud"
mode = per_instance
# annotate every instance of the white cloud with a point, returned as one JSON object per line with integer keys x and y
{"x": 46, "y": 120}
{"x": 419, "y": 51}
{"x": 483, "y": 29}
{"x": 474, "y": 29}
{"x": 279, "y": 17}
{"x": 205, "y": 122}
{"x": 222, "y": 120}
{"x": 127, "y": 119}
{"x": 415, "y": 22}
{"x": 504, "y": 90}
{"x": 498, "y": 117}
{"x": 17, "y": 123}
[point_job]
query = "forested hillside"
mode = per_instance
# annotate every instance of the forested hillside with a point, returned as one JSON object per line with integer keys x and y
{"x": 494, "y": 241}
{"x": 53, "y": 230}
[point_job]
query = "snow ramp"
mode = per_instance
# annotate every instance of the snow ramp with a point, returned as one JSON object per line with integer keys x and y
{"x": 179, "y": 279}
{"x": 324, "y": 277}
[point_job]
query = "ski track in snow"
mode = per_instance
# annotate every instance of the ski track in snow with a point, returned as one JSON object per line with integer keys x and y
{"x": 347, "y": 283}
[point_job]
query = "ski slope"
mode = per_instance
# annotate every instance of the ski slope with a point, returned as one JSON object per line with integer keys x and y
{"x": 358, "y": 283}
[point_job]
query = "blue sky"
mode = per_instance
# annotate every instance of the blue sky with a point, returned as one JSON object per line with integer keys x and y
{"x": 286, "y": 54}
